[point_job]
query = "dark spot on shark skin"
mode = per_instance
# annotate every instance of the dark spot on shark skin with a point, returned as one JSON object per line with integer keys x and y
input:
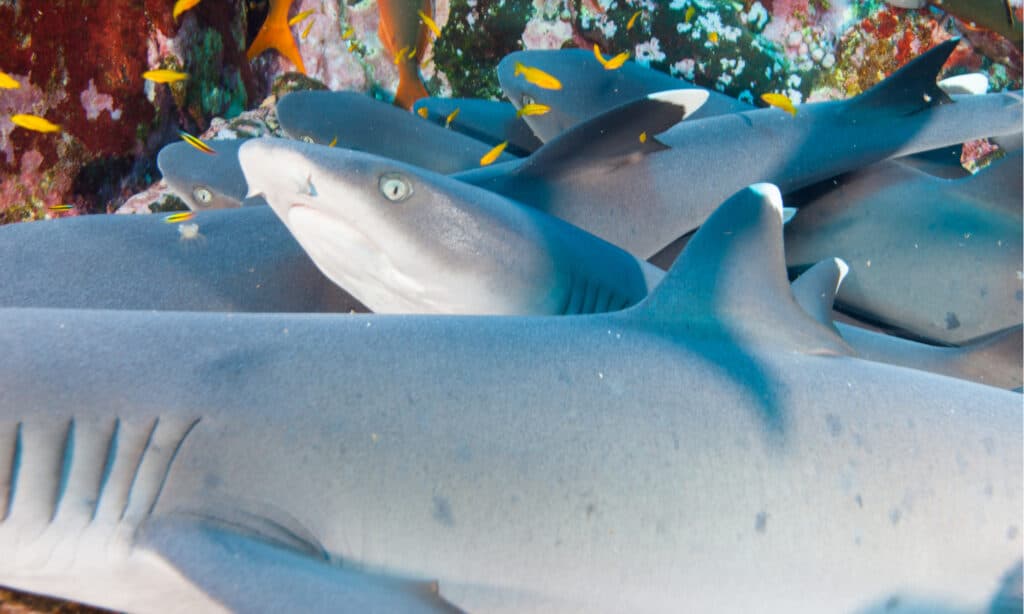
{"x": 894, "y": 516}
{"x": 892, "y": 603}
{"x": 443, "y": 512}
{"x": 835, "y": 426}
{"x": 591, "y": 508}
{"x": 860, "y": 501}
{"x": 989, "y": 445}
{"x": 761, "y": 522}
{"x": 952, "y": 321}
{"x": 1012, "y": 532}
{"x": 983, "y": 292}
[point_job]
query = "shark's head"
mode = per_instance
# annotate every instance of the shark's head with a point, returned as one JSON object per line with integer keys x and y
{"x": 202, "y": 180}
{"x": 587, "y": 88}
{"x": 397, "y": 237}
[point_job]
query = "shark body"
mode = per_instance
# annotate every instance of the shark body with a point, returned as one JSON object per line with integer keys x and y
{"x": 652, "y": 459}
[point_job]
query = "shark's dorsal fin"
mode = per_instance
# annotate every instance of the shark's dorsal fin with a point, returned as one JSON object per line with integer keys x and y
{"x": 913, "y": 87}
{"x": 816, "y": 289}
{"x": 626, "y": 130}
{"x": 732, "y": 275}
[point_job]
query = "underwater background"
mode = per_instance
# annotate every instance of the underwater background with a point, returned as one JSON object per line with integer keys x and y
{"x": 79, "y": 65}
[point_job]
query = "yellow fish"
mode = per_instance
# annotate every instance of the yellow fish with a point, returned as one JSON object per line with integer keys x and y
{"x": 34, "y": 122}
{"x": 347, "y": 34}
{"x": 182, "y": 216}
{"x": 333, "y": 142}
{"x": 194, "y": 142}
{"x": 422, "y": 112}
{"x": 352, "y": 45}
{"x": 493, "y": 154}
{"x": 780, "y": 101}
{"x": 632, "y": 20}
{"x": 534, "y": 108}
{"x": 183, "y": 5}
{"x": 643, "y": 137}
{"x": 690, "y": 12}
{"x": 612, "y": 64}
{"x": 7, "y": 82}
{"x": 61, "y": 207}
{"x": 430, "y": 23}
{"x": 401, "y": 53}
{"x": 300, "y": 17}
{"x": 305, "y": 31}
{"x": 451, "y": 117}
{"x": 713, "y": 37}
{"x": 537, "y": 77}
{"x": 164, "y": 76}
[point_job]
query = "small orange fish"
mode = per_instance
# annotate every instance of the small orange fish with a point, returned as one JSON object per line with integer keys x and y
{"x": 305, "y": 31}
{"x": 780, "y": 101}
{"x": 713, "y": 37}
{"x": 194, "y": 142}
{"x": 430, "y": 23}
{"x": 451, "y": 117}
{"x": 643, "y": 137}
{"x": 347, "y": 34}
{"x": 401, "y": 54}
{"x": 632, "y": 20}
{"x": 8, "y": 82}
{"x": 275, "y": 33}
{"x": 182, "y": 216}
{"x": 352, "y": 45}
{"x": 34, "y": 122}
{"x": 493, "y": 154}
{"x": 183, "y": 5}
{"x": 300, "y": 17}
{"x": 61, "y": 207}
{"x": 333, "y": 142}
{"x": 613, "y": 63}
{"x": 422, "y": 112}
{"x": 690, "y": 12}
{"x": 164, "y": 75}
{"x": 537, "y": 77}
{"x": 533, "y": 108}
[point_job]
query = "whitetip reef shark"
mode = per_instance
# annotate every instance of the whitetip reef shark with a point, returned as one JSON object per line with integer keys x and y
{"x": 937, "y": 258}
{"x": 204, "y": 181}
{"x": 489, "y": 121}
{"x": 407, "y": 240}
{"x": 715, "y": 436}
{"x": 643, "y": 193}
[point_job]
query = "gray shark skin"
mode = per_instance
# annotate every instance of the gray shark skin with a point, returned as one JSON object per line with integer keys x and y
{"x": 589, "y": 90}
{"x": 489, "y": 121}
{"x": 205, "y": 181}
{"x": 405, "y": 240}
{"x": 357, "y": 121}
{"x": 995, "y": 360}
{"x": 937, "y": 258}
{"x": 638, "y": 438}
{"x": 645, "y": 199}
{"x": 242, "y": 260}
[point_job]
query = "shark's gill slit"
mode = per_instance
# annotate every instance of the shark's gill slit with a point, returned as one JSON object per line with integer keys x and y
{"x": 67, "y": 459}
{"x": 564, "y": 309}
{"x": 108, "y": 467}
{"x": 170, "y": 462}
{"x": 138, "y": 467}
{"x": 12, "y": 482}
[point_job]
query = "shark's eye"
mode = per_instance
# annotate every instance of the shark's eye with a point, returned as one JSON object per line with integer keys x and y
{"x": 528, "y": 100}
{"x": 307, "y": 139}
{"x": 394, "y": 187}
{"x": 202, "y": 195}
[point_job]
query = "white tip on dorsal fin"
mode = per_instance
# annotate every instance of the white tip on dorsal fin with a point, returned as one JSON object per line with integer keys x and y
{"x": 815, "y": 290}
{"x": 690, "y": 99}
{"x": 974, "y": 84}
{"x": 732, "y": 275}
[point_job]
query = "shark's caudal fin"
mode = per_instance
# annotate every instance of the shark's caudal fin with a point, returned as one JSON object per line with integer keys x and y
{"x": 913, "y": 87}
{"x": 733, "y": 273}
{"x": 816, "y": 289}
{"x": 626, "y": 130}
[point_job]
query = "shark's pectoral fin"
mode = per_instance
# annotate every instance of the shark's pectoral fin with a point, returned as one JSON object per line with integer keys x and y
{"x": 243, "y": 573}
{"x": 815, "y": 290}
{"x": 611, "y": 138}
{"x": 732, "y": 275}
{"x": 913, "y": 87}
